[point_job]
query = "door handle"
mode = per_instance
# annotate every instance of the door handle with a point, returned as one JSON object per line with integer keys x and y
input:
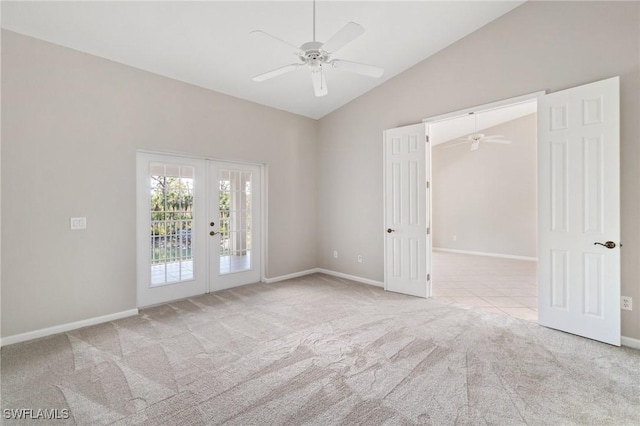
{"x": 608, "y": 244}
{"x": 390, "y": 230}
{"x": 212, "y": 233}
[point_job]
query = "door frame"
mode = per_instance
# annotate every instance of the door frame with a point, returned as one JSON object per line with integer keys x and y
{"x": 484, "y": 107}
{"x": 463, "y": 113}
{"x": 263, "y": 207}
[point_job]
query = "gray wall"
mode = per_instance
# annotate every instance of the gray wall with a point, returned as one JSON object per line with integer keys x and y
{"x": 537, "y": 46}
{"x": 71, "y": 125}
{"x": 487, "y": 198}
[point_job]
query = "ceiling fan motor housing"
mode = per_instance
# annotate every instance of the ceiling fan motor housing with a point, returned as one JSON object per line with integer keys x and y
{"x": 312, "y": 54}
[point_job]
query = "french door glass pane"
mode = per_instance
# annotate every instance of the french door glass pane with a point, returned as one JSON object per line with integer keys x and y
{"x": 171, "y": 208}
{"x": 235, "y": 221}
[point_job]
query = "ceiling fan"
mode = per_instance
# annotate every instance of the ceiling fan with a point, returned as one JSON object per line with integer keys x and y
{"x": 476, "y": 138}
{"x": 317, "y": 56}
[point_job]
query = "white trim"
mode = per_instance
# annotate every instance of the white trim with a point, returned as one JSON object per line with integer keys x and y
{"x": 351, "y": 277}
{"x": 290, "y": 276}
{"x": 43, "y": 332}
{"x": 630, "y": 342}
{"x": 194, "y": 156}
{"x": 483, "y": 253}
{"x": 486, "y": 107}
{"x": 384, "y": 208}
{"x": 264, "y": 229}
{"x": 326, "y": 272}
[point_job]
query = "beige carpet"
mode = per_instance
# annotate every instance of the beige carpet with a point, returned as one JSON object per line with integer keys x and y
{"x": 321, "y": 350}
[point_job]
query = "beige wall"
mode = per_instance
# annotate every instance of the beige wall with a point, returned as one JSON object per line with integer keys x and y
{"x": 487, "y": 198}
{"x": 71, "y": 125}
{"x": 537, "y": 46}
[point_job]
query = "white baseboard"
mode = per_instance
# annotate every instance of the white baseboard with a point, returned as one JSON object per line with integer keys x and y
{"x": 30, "y": 335}
{"x": 484, "y": 253}
{"x": 323, "y": 271}
{"x": 630, "y": 342}
{"x": 351, "y": 277}
{"x": 290, "y": 276}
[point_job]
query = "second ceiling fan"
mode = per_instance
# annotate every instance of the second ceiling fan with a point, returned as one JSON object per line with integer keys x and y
{"x": 476, "y": 138}
{"x": 317, "y": 56}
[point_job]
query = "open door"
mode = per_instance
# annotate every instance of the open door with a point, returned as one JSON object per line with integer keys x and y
{"x": 407, "y": 213}
{"x": 579, "y": 211}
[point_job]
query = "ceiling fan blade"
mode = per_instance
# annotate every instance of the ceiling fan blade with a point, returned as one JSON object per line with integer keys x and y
{"x": 346, "y": 35}
{"x": 503, "y": 141}
{"x": 282, "y": 43}
{"x": 319, "y": 83}
{"x": 358, "y": 68}
{"x": 449, "y": 145}
{"x": 475, "y": 145}
{"x": 276, "y": 72}
{"x": 492, "y": 137}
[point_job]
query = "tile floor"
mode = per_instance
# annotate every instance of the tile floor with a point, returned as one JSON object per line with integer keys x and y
{"x": 175, "y": 271}
{"x": 504, "y": 286}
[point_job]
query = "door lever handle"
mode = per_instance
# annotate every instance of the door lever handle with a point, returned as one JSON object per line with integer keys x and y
{"x": 390, "y": 230}
{"x": 608, "y": 244}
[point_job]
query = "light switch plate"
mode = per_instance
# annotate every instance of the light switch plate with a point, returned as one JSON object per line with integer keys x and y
{"x": 77, "y": 223}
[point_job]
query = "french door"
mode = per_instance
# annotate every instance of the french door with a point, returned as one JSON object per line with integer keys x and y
{"x": 234, "y": 231}
{"x": 198, "y": 226}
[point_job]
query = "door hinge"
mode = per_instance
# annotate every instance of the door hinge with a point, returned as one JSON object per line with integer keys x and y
{"x": 428, "y": 277}
{"x": 427, "y": 184}
{"x": 426, "y": 137}
{"x": 428, "y": 231}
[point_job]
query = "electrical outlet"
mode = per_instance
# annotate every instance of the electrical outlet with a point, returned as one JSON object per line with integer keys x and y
{"x": 359, "y": 258}
{"x": 335, "y": 254}
{"x": 626, "y": 303}
{"x": 76, "y": 223}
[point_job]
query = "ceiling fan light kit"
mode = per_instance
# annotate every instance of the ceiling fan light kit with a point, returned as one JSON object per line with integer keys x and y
{"x": 316, "y": 56}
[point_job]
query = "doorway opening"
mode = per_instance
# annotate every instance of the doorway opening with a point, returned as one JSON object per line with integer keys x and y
{"x": 484, "y": 208}
{"x": 578, "y": 206}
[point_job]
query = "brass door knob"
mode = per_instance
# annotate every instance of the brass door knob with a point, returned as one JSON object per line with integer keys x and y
{"x": 212, "y": 233}
{"x": 389, "y": 230}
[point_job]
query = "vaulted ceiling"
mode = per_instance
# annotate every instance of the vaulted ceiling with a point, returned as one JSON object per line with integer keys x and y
{"x": 208, "y": 43}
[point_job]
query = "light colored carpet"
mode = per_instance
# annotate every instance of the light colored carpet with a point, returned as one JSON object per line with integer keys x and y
{"x": 321, "y": 350}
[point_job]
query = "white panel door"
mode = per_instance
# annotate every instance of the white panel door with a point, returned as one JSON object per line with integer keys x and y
{"x": 407, "y": 237}
{"x": 234, "y": 224}
{"x": 579, "y": 211}
{"x": 171, "y": 219}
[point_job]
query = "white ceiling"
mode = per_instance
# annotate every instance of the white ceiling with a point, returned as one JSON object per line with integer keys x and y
{"x": 207, "y": 43}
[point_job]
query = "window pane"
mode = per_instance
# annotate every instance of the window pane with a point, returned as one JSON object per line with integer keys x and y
{"x": 171, "y": 209}
{"x": 235, "y": 213}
